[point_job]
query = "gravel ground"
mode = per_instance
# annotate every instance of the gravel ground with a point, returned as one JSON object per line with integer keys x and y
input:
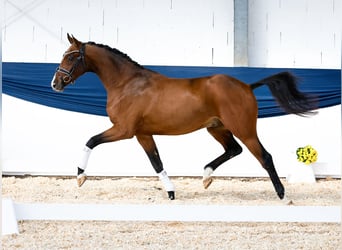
{"x": 140, "y": 190}
{"x": 171, "y": 235}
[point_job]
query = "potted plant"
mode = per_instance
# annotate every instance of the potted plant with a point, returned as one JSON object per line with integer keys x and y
{"x": 303, "y": 172}
{"x": 306, "y": 154}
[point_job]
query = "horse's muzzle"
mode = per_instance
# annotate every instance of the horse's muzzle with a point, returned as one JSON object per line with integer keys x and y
{"x": 57, "y": 84}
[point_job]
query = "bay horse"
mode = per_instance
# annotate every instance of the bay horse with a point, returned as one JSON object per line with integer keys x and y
{"x": 143, "y": 103}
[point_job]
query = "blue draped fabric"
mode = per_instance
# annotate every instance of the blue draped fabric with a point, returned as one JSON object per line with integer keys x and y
{"x": 31, "y": 82}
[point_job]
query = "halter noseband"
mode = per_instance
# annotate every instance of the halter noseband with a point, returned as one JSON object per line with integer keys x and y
{"x": 68, "y": 77}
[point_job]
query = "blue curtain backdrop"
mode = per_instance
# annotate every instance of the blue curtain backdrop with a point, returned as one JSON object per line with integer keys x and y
{"x": 31, "y": 82}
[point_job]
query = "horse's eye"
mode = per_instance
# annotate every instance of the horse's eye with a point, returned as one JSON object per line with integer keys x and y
{"x": 70, "y": 58}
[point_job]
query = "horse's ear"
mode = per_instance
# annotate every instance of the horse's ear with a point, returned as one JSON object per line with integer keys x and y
{"x": 70, "y": 38}
{"x": 73, "y": 40}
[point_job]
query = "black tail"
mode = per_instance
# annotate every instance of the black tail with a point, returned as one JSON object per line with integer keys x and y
{"x": 283, "y": 87}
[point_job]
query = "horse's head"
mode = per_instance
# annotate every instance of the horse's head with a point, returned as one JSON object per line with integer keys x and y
{"x": 71, "y": 67}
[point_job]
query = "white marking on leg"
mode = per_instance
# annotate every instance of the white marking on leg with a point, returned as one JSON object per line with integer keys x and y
{"x": 207, "y": 172}
{"x": 80, "y": 176}
{"x": 84, "y": 159}
{"x": 164, "y": 178}
{"x": 207, "y": 179}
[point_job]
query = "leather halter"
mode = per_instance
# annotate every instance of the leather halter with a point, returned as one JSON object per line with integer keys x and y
{"x": 68, "y": 74}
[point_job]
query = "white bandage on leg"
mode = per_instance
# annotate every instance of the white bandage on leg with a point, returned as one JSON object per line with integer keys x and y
{"x": 207, "y": 179}
{"x": 168, "y": 185}
{"x": 84, "y": 160}
{"x": 207, "y": 172}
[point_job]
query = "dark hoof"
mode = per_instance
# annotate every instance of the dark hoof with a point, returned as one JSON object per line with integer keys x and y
{"x": 281, "y": 193}
{"x": 171, "y": 195}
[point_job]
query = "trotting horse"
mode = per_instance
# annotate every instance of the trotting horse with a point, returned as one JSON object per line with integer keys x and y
{"x": 143, "y": 103}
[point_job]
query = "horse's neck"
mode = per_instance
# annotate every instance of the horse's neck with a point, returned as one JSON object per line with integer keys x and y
{"x": 112, "y": 70}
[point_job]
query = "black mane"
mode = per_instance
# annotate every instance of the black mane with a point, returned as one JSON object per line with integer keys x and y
{"x": 116, "y": 52}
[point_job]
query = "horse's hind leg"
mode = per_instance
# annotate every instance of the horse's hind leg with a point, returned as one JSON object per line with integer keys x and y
{"x": 231, "y": 147}
{"x": 148, "y": 144}
{"x": 265, "y": 158}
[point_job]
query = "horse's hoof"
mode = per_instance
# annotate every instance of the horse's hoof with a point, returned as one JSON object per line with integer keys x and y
{"x": 171, "y": 195}
{"x": 281, "y": 196}
{"x": 207, "y": 181}
{"x": 81, "y": 179}
{"x": 281, "y": 192}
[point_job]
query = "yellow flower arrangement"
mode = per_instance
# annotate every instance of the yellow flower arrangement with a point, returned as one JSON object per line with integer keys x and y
{"x": 307, "y": 154}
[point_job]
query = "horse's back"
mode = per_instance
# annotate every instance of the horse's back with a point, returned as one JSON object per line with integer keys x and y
{"x": 217, "y": 93}
{"x": 230, "y": 90}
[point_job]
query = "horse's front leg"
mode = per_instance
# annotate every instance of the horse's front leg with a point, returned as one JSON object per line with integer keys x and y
{"x": 147, "y": 142}
{"x": 115, "y": 133}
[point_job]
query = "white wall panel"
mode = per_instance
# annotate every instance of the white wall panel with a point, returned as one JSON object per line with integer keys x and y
{"x": 295, "y": 33}
{"x": 52, "y": 140}
{"x": 282, "y": 33}
{"x": 165, "y": 32}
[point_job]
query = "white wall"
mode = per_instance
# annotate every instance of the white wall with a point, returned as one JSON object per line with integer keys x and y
{"x": 158, "y": 32}
{"x": 281, "y": 33}
{"x": 42, "y": 140}
{"x": 295, "y": 33}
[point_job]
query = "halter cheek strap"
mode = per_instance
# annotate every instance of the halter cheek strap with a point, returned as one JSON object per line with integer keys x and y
{"x": 68, "y": 74}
